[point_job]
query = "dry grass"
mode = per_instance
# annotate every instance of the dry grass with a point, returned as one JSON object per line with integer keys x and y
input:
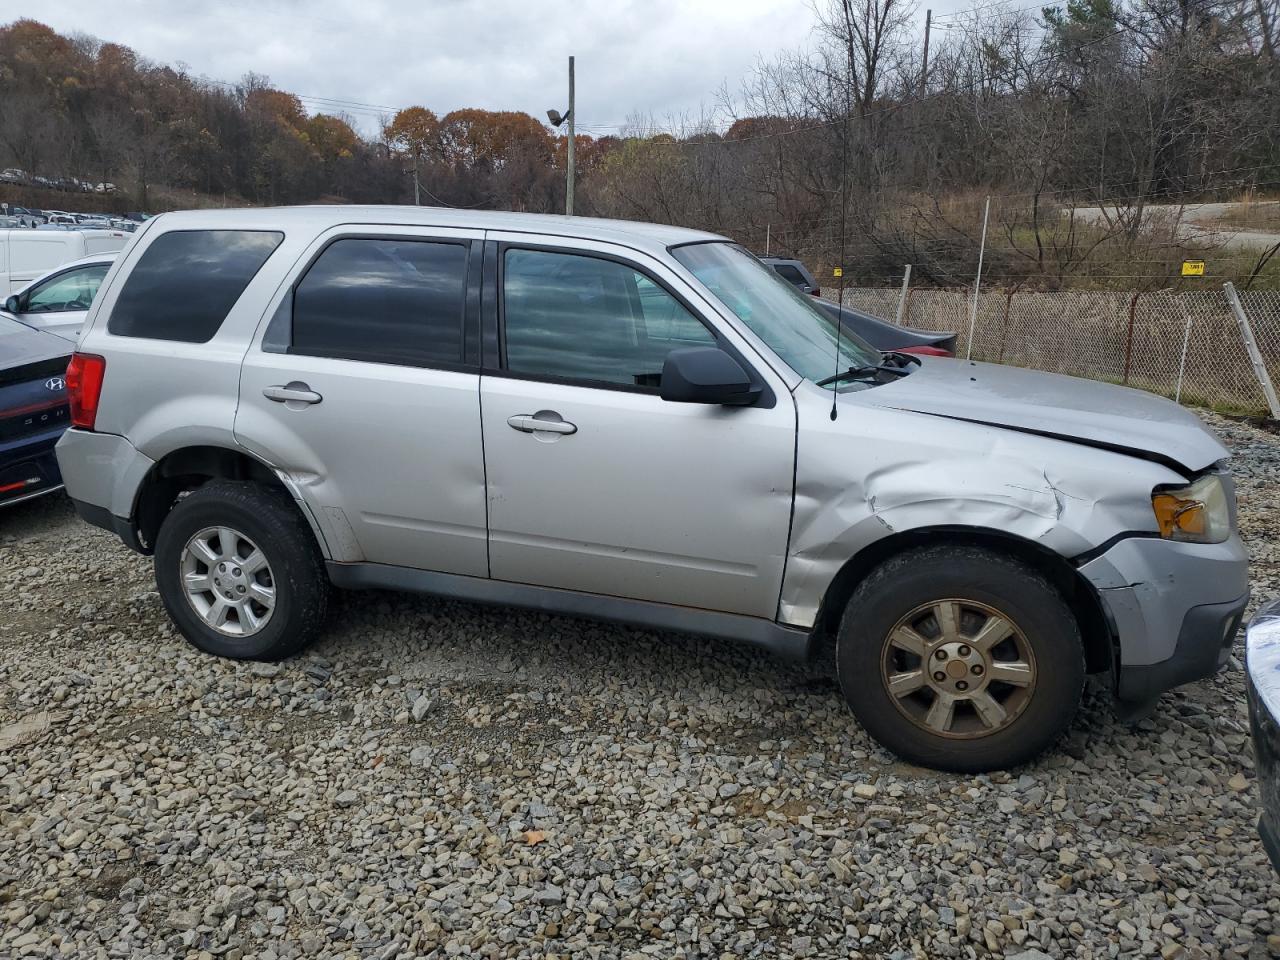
{"x": 1263, "y": 215}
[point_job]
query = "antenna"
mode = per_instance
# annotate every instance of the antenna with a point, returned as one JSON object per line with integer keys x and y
{"x": 844, "y": 206}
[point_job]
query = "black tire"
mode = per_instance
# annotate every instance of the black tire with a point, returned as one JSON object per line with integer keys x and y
{"x": 271, "y": 521}
{"x": 906, "y": 583}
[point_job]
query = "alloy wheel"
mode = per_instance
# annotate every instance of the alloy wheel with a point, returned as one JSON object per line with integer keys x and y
{"x": 958, "y": 668}
{"x": 227, "y": 581}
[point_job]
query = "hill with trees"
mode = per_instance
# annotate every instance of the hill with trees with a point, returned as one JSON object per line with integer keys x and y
{"x": 1087, "y": 123}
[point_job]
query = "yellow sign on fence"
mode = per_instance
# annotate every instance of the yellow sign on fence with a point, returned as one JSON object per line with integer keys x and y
{"x": 1193, "y": 268}
{"x": 838, "y": 272}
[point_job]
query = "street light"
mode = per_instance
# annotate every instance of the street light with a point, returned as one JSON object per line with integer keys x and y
{"x": 556, "y": 120}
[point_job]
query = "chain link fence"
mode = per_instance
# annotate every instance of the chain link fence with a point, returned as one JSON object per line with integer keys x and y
{"x": 1184, "y": 345}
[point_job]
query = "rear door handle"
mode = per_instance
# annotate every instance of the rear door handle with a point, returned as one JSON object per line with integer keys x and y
{"x": 544, "y": 421}
{"x": 295, "y": 391}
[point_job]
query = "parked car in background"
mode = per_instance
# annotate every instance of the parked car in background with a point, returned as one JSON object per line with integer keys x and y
{"x": 25, "y": 216}
{"x": 639, "y": 422}
{"x": 27, "y": 255}
{"x": 1262, "y": 653}
{"x": 796, "y": 274}
{"x": 104, "y": 188}
{"x": 138, "y": 217}
{"x": 881, "y": 334}
{"x": 884, "y": 335}
{"x": 13, "y": 175}
{"x": 33, "y": 409}
{"x": 58, "y": 301}
{"x": 12, "y": 223}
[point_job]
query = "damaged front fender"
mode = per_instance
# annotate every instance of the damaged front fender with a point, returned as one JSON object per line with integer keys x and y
{"x": 874, "y": 473}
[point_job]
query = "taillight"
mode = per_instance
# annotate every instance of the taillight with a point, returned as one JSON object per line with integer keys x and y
{"x": 926, "y": 351}
{"x": 84, "y": 386}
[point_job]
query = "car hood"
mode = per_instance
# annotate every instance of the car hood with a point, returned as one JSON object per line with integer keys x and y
{"x": 1068, "y": 408}
{"x": 20, "y": 345}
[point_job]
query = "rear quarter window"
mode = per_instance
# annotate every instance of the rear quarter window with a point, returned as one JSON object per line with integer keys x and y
{"x": 790, "y": 274}
{"x": 186, "y": 282}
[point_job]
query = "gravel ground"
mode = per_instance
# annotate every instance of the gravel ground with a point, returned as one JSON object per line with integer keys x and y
{"x": 443, "y": 779}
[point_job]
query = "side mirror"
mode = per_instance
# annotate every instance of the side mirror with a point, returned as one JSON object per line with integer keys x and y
{"x": 13, "y": 305}
{"x": 706, "y": 375}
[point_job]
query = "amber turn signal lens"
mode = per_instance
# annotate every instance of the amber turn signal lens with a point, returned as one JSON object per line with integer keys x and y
{"x": 1179, "y": 518}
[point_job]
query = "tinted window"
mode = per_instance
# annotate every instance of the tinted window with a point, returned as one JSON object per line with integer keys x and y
{"x": 585, "y": 318}
{"x": 73, "y": 290}
{"x": 187, "y": 281}
{"x": 790, "y": 274}
{"x": 386, "y": 301}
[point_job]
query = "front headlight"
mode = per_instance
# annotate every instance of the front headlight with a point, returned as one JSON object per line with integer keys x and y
{"x": 1198, "y": 513}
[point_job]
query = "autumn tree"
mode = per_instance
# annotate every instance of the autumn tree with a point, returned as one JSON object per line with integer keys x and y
{"x": 415, "y": 131}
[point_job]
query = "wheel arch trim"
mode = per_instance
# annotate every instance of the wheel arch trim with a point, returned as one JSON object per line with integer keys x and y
{"x": 1096, "y": 628}
{"x": 211, "y": 461}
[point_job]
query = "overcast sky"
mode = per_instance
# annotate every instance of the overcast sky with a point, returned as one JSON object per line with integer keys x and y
{"x": 652, "y": 57}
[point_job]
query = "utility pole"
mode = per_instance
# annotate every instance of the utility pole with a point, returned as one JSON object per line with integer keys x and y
{"x": 924, "y": 70}
{"x": 417, "y": 198}
{"x": 568, "y": 194}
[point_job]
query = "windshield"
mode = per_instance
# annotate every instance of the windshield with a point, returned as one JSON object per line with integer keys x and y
{"x": 785, "y": 319}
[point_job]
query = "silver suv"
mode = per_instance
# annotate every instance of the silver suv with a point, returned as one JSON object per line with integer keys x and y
{"x": 644, "y": 424}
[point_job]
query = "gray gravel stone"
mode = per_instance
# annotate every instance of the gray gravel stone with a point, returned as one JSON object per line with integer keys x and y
{"x": 575, "y": 789}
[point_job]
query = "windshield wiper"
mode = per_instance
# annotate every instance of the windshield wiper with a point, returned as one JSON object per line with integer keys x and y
{"x": 861, "y": 373}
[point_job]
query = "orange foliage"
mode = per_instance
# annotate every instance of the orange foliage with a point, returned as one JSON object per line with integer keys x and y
{"x": 415, "y": 130}
{"x": 490, "y": 138}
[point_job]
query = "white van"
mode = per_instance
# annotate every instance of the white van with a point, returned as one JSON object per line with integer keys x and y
{"x": 28, "y": 254}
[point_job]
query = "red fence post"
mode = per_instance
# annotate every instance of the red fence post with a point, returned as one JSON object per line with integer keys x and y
{"x": 1128, "y": 340}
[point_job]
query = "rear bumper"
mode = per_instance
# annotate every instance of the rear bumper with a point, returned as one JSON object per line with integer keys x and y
{"x": 102, "y": 469}
{"x": 102, "y": 517}
{"x": 1175, "y": 608}
{"x": 1263, "y": 658}
{"x": 28, "y": 468}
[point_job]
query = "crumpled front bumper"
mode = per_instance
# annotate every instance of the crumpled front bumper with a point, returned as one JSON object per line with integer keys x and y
{"x": 1175, "y": 608}
{"x": 1263, "y": 659}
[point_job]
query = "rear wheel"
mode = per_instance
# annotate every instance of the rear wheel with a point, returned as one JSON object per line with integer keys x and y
{"x": 960, "y": 658}
{"x": 240, "y": 573}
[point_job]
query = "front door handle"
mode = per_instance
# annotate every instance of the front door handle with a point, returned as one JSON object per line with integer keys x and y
{"x": 544, "y": 421}
{"x": 294, "y": 391}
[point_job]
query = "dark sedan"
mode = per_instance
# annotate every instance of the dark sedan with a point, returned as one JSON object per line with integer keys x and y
{"x": 884, "y": 335}
{"x": 1263, "y": 654}
{"x": 881, "y": 334}
{"x": 33, "y": 409}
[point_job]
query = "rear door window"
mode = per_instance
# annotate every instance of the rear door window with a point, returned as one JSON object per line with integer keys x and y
{"x": 393, "y": 300}
{"x": 186, "y": 282}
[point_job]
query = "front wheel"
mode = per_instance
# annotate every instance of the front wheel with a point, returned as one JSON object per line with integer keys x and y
{"x": 960, "y": 658}
{"x": 240, "y": 573}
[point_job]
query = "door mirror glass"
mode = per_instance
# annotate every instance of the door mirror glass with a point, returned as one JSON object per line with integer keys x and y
{"x": 706, "y": 375}
{"x": 12, "y": 305}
